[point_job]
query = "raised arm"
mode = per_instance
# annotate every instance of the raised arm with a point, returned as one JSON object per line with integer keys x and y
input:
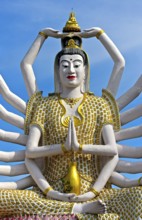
{"x": 119, "y": 62}
{"x": 27, "y": 62}
{"x": 29, "y": 58}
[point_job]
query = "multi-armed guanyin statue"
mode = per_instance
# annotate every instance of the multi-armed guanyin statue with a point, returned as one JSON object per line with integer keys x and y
{"x": 71, "y": 136}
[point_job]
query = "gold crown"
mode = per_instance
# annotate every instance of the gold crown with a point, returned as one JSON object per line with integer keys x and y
{"x": 71, "y": 24}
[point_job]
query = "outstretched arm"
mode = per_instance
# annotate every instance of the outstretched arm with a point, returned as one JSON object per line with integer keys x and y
{"x": 121, "y": 181}
{"x": 28, "y": 60}
{"x": 119, "y": 62}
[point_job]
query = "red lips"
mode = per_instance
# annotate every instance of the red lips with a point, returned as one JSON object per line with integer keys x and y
{"x": 71, "y": 77}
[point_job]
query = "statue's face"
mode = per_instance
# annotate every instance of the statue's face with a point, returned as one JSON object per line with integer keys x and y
{"x": 71, "y": 70}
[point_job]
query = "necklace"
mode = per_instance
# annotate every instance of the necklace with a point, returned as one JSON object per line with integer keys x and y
{"x": 72, "y": 101}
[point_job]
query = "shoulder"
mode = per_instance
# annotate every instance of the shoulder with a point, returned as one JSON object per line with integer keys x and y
{"x": 97, "y": 100}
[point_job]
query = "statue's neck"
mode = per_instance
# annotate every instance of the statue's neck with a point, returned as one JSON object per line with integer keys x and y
{"x": 71, "y": 92}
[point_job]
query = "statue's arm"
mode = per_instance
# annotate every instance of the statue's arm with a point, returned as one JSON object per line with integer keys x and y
{"x": 119, "y": 62}
{"x": 27, "y": 62}
{"x": 29, "y": 58}
{"x": 33, "y": 151}
{"x": 34, "y": 170}
{"x": 111, "y": 161}
{"x": 124, "y": 182}
{"x": 109, "y": 165}
{"x": 109, "y": 149}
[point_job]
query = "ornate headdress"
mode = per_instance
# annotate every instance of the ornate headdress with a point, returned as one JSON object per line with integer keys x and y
{"x": 71, "y": 44}
{"x": 71, "y": 27}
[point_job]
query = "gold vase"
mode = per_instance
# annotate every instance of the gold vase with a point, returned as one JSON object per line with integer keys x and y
{"x": 72, "y": 180}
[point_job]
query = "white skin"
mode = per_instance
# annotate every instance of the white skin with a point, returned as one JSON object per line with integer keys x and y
{"x": 72, "y": 73}
{"x": 28, "y": 73}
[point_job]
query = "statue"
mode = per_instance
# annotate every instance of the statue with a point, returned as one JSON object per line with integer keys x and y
{"x": 71, "y": 136}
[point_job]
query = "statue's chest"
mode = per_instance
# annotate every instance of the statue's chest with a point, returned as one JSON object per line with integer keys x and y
{"x": 57, "y": 121}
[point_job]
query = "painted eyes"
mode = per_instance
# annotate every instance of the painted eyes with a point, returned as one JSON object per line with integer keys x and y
{"x": 67, "y": 66}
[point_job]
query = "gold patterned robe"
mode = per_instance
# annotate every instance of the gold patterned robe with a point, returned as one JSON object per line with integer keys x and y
{"x": 49, "y": 114}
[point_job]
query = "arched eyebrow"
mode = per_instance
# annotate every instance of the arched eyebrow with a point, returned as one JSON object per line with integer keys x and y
{"x": 80, "y": 61}
{"x": 76, "y": 60}
{"x": 64, "y": 61}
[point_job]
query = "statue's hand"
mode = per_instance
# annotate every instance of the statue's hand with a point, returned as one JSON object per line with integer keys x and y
{"x": 68, "y": 139}
{"x": 92, "y": 32}
{"x": 83, "y": 198}
{"x": 50, "y": 32}
{"x": 75, "y": 144}
{"x": 60, "y": 196}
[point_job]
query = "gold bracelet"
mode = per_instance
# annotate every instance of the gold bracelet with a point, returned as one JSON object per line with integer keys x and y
{"x": 47, "y": 190}
{"x": 99, "y": 34}
{"x": 80, "y": 148}
{"x": 139, "y": 181}
{"x": 94, "y": 191}
{"x": 43, "y": 34}
{"x": 63, "y": 148}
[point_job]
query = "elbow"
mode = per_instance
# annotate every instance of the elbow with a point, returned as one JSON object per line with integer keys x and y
{"x": 28, "y": 154}
{"x": 120, "y": 63}
{"x": 24, "y": 64}
{"x": 114, "y": 152}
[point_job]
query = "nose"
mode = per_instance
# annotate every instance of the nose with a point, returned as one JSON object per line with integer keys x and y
{"x": 71, "y": 68}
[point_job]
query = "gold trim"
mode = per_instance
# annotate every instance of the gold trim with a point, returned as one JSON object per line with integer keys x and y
{"x": 115, "y": 110}
{"x": 139, "y": 181}
{"x": 77, "y": 121}
{"x": 99, "y": 34}
{"x": 63, "y": 148}
{"x": 43, "y": 34}
{"x": 71, "y": 101}
{"x": 80, "y": 148}
{"x": 30, "y": 104}
{"x": 94, "y": 191}
{"x": 47, "y": 190}
{"x": 71, "y": 44}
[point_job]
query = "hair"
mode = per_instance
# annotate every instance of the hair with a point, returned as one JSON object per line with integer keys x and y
{"x": 71, "y": 51}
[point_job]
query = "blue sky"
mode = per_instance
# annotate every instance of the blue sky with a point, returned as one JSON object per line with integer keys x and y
{"x": 21, "y": 20}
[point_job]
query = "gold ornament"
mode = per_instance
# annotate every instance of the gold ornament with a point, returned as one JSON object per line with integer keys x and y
{"x": 47, "y": 190}
{"x": 71, "y": 101}
{"x": 72, "y": 44}
{"x": 63, "y": 148}
{"x": 99, "y": 34}
{"x": 94, "y": 191}
{"x": 71, "y": 24}
{"x": 43, "y": 34}
{"x": 72, "y": 180}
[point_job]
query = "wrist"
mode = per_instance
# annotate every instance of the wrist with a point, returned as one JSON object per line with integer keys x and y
{"x": 99, "y": 33}
{"x": 45, "y": 192}
{"x": 93, "y": 190}
{"x": 80, "y": 148}
{"x": 41, "y": 33}
{"x": 64, "y": 150}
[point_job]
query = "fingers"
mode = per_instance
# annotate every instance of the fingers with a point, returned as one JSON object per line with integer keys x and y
{"x": 68, "y": 139}
{"x": 73, "y": 131}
